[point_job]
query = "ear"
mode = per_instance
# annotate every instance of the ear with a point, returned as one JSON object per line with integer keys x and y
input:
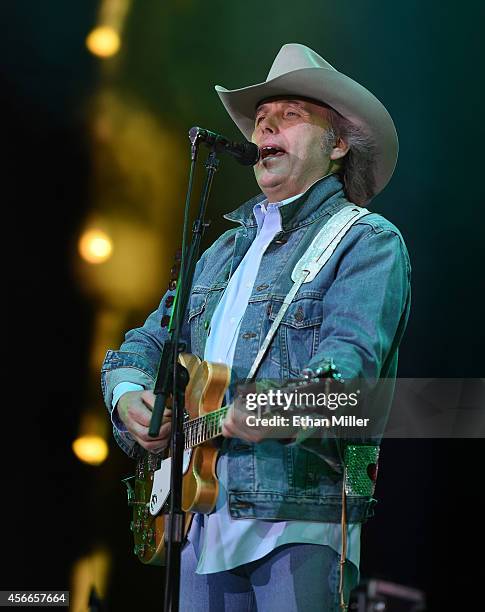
{"x": 339, "y": 150}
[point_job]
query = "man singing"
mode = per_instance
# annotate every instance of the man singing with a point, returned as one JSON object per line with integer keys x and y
{"x": 274, "y": 540}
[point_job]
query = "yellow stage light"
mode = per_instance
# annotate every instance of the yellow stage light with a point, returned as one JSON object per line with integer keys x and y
{"x": 91, "y": 449}
{"x": 103, "y": 41}
{"x": 95, "y": 246}
{"x": 88, "y": 573}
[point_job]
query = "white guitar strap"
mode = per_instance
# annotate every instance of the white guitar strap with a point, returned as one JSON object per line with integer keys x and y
{"x": 315, "y": 257}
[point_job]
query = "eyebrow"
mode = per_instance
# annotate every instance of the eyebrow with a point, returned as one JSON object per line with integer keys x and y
{"x": 294, "y": 102}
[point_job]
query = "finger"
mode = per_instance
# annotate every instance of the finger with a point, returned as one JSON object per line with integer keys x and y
{"x": 165, "y": 430}
{"x": 141, "y": 432}
{"x": 148, "y": 398}
{"x": 231, "y": 430}
{"x": 153, "y": 444}
{"x": 139, "y": 414}
{"x": 152, "y": 447}
{"x": 140, "y": 410}
{"x": 142, "y": 416}
{"x": 234, "y": 427}
{"x": 227, "y": 430}
{"x": 242, "y": 435}
{"x": 167, "y": 415}
{"x": 230, "y": 424}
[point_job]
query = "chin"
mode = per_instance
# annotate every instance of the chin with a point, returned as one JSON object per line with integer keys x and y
{"x": 269, "y": 181}
{"x": 270, "y": 188}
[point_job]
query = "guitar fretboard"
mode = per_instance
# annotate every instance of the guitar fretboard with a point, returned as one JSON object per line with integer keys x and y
{"x": 204, "y": 427}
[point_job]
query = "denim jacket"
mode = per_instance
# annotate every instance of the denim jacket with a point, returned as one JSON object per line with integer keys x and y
{"x": 354, "y": 311}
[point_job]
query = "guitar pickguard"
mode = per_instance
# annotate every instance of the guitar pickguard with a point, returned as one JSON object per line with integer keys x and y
{"x": 161, "y": 482}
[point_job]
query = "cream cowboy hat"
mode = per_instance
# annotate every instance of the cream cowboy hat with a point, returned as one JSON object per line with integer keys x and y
{"x": 298, "y": 71}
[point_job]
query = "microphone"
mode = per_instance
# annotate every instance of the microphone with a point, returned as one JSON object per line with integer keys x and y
{"x": 246, "y": 153}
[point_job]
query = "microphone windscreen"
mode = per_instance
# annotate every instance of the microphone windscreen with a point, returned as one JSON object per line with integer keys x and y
{"x": 250, "y": 156}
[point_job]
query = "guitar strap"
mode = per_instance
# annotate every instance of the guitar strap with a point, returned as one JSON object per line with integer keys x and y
{"x": 306, "y": 269}
{"x": 316, "y": 256}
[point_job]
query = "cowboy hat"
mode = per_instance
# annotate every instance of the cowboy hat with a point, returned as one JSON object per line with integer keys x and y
{"x": 298, "y": 71}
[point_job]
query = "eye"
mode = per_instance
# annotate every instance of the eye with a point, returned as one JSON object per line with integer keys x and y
{"x": 292, "y": 113}
{"x": 259, "y": 119}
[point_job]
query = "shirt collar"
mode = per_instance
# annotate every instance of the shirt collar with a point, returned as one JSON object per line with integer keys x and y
{"x": 261, "y": 208}
{"x": 323, "y": 197}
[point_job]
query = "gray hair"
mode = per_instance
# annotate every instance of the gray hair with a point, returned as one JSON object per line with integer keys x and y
{"x": 357, "y": 170}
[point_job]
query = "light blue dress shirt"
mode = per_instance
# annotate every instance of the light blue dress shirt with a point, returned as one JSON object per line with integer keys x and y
{"x": 221, "y": 542}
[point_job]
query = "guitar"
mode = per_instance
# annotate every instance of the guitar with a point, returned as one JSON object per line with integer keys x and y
{"x": 148, "y": 490}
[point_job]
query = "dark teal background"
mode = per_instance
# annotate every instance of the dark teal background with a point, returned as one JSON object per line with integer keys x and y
{"x": 424, "y": 60}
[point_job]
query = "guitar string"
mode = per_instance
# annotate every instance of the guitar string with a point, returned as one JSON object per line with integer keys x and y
{"x": 197, "y": 428}
{"x": 207, "y": 426}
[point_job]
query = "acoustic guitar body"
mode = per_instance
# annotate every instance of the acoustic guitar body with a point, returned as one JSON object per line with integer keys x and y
{"x": 204, "y": 394}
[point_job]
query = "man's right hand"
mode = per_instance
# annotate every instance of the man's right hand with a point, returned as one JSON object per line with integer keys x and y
{"x": 135, "y": 410}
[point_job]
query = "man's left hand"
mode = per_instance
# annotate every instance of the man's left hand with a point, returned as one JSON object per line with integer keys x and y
{"x": 235, "y": 426}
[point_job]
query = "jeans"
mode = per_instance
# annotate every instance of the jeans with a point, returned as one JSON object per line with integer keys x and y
{"x": 292, "y": 578}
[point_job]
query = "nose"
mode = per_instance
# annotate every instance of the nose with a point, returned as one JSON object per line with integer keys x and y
{"x": 268, "y": 124}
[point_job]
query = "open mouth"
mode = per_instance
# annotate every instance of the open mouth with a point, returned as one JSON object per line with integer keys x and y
{"x": 271, "y": 151}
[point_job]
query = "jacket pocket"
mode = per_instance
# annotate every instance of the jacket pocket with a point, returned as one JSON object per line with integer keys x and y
{"x": 308, "y": 474}
{"x": 298, "y": 335}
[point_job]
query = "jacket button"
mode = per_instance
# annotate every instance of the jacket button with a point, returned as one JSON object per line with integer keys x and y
{"x": 174, "y": 272}
{"x": 206, "y": 324}
{"x": 261, "y": 287}
{"x": 165, "y": 321}
{"x": 249, "y": 335}
{"x": 299, "y": 316}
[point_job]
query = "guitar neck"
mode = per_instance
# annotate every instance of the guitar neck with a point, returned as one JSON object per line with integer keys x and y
{"x": 204, "y": 428}
{"x": 209, "y": 426}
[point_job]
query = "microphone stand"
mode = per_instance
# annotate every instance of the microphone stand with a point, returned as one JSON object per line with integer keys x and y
{"x": 173, "y": 377}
